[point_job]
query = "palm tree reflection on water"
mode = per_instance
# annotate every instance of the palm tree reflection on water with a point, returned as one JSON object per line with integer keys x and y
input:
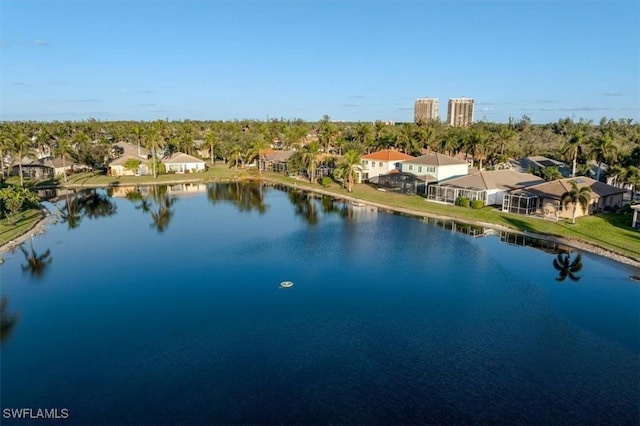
{"x": 567, "y": 267}
{"x": 36, "y": 263}
{"x": 7, "y": 320}
{"x": 158, "y": 204}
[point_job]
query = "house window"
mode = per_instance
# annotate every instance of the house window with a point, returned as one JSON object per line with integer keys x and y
{"x": 419, "y": 169}
{"x": 380, "y": 164}
{"x": 365, "y": 162}
{"x": 410, "y": 167}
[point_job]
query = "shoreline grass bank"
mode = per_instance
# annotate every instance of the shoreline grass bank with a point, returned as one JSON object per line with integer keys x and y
{"x": 602, "y": 234}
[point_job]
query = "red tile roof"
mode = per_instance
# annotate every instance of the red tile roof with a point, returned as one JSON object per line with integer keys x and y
{"x": 387, "y": 155}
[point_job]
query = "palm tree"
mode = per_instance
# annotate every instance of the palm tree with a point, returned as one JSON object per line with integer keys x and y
{"x": 575, "y": 196}
{"x": 310, "y": 158}
{"x": 633, "y": 179}
{"x": 618, "y": 174}
{"x": 426, "y": 136}
{"x": 478, "y": 143}
{"x": 63, "y": 149}
{"x": 257, "y": 146}
{"x": 21, "y": 146}
{"x": 603, "y": 150}
{"x": 349, "y": 168}
{"x": 405, "y": 138}
{"x": 139, "y": 132}
{"x": 576, "y": 133}
{"x": 5, "y": 146}
{"x": 551, "y": 173}
{"x": 211, "y": 139}
{"x": 449, "y": 142}
{"x": 327, "y": 131}
{"x": 567, "y": 267}
{"x": 505, "y": 136}
{"x": 155, "y": 142}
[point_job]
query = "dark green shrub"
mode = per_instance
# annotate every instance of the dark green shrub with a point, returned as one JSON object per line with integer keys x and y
{"x": 477, "y": 204}
{"x": 462, "y": 202}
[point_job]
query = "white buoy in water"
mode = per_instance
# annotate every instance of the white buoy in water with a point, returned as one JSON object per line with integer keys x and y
{"x": 286, "y": 284}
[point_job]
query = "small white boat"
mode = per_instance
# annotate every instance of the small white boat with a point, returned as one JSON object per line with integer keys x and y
{"x": 286, "y": 284}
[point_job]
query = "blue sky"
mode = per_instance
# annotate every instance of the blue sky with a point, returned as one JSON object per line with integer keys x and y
{"x": 352, "y": 60}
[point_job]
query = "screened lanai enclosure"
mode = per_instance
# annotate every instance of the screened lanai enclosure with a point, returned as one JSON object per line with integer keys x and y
{"x": 405, "y": 183}
{"x": 450, "y": 193}
{"x": 520, "y": 202}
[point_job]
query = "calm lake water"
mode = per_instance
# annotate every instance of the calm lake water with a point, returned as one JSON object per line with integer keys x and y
{"x": 164, "y": 306}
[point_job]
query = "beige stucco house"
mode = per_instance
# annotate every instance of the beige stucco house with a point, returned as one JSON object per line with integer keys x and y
{"x": 603, "y": 197}
{"x": 117, "y": 168}
{"x": 487, "y": 186}
{"x": 179, "y": 162}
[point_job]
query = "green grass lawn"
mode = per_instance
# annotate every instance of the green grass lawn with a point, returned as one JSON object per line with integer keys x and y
{"x": 10, "y": 229}
{"x": 610, "y": 231}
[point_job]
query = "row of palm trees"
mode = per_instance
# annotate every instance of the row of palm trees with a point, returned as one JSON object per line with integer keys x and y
{"x": 240, "y": 142}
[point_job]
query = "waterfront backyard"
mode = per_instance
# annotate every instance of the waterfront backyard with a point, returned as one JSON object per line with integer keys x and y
{"x": 606, "y": 232}
{"x": 163, "y": 305}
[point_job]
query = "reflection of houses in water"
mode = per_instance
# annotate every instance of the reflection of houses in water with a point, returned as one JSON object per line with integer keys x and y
{"x": 527, "y": 241}
{"x": 177, "y": 190}
{"x": 512, "y": 238}
{"x": 123, "y": 191}
{"x": 186, "y": 189}
{"x": 361, "y": 212}
{"x": 463, "y": 228}
{"x": 54, "y": 195}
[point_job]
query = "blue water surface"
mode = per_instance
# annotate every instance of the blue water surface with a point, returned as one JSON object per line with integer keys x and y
{"x": 165, "y": 307}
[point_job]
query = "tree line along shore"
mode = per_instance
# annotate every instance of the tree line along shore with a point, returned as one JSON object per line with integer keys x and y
{"x": 236, "y": 144}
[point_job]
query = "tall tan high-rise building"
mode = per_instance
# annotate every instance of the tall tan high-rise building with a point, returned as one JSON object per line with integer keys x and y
{"x": 425, "y": 109}
{"x": 460, "y": 112}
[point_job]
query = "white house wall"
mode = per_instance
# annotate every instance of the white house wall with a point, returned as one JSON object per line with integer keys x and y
{"x": 371, "y": 171}
{"x": 451, "y": 171}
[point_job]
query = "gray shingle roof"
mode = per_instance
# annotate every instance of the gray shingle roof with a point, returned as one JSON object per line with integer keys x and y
{"x": 495, "y": 179}
{"x": 435, "y": 159}
{"x": 556, "y": 188}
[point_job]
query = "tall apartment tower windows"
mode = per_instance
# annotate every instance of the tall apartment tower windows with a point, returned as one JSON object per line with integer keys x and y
{"x": 425, "y": 109}
{"x": 460, "y": 112}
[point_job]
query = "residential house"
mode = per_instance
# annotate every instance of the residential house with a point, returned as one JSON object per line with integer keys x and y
{"x": 547, "y": 197}
{"x": 67, "y": 166}
{"x": 179, "y": 162}
{"x": 275, "y": 161}
{"x": 117, "y": 166}
{"x": 487, "y": 186}
{"x": 435, "y": 167}
{"x": 380, "y": 163}
{"x": 538, "y": 162}
{"x": 41, "y": 168}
